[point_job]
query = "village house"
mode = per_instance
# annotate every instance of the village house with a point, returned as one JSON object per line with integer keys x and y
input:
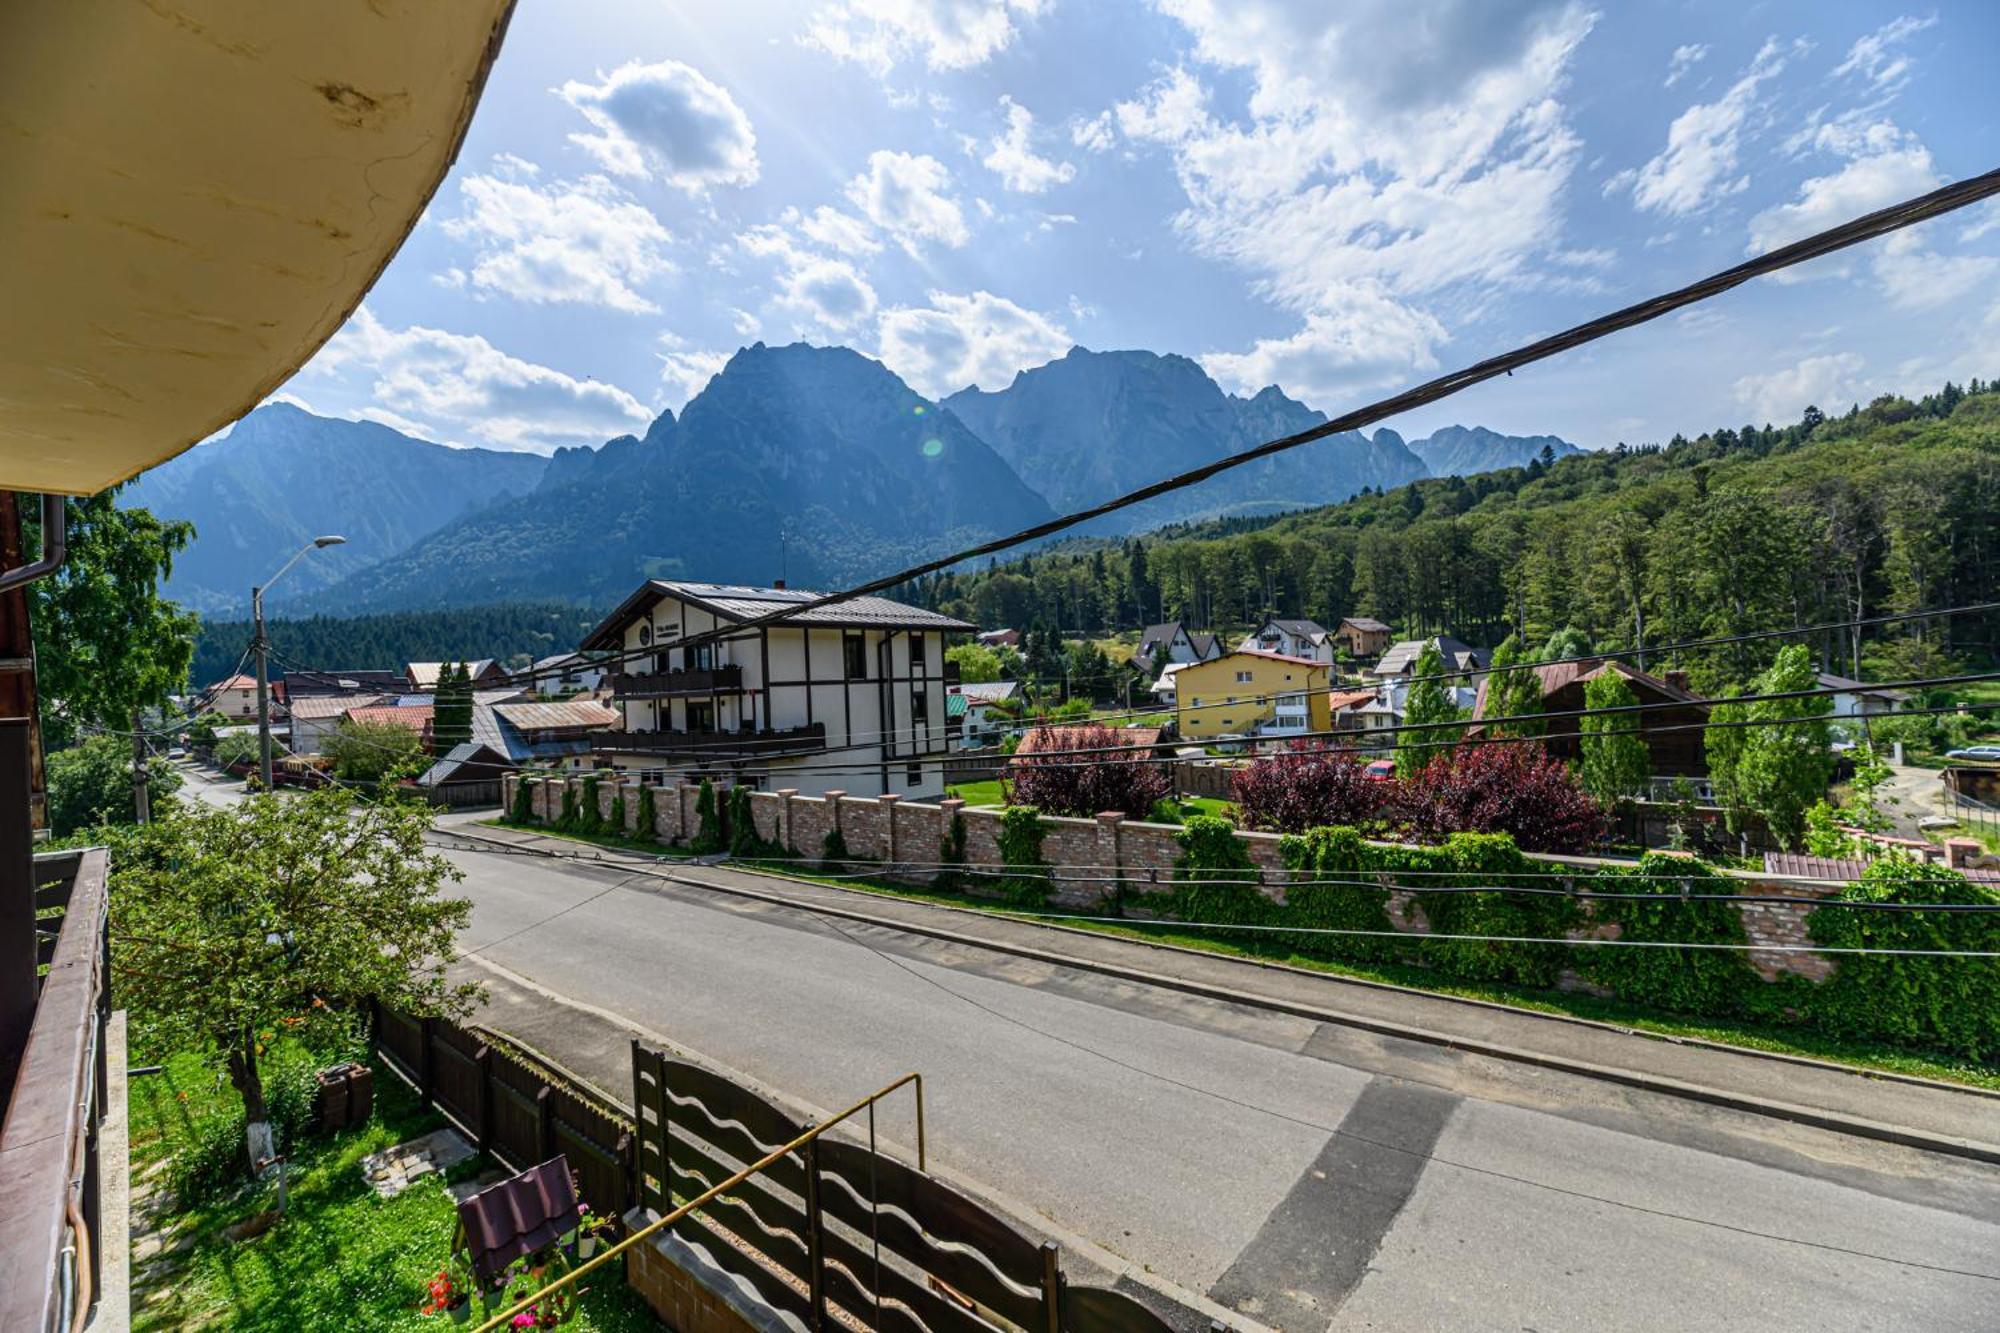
{"x": 1180, "y": 644}
{"x": 979, "y": 707}
{"x": 1671, "y": 724}
{"x": 1000, "y": 638}
{"x": 234, "y": 698}
{"x": 511, "y": 735}
{"x": 1460, "y": 657}
{"x": 1292, "y": 638}
{"x": 848, "y": 697}
{"x": 1249, "y": 693}
{"x": 422, "y": 677}
{"x": 1858, "y": 699}
{"x": 1363, "y": 636}
{"x": 562, "y": 674}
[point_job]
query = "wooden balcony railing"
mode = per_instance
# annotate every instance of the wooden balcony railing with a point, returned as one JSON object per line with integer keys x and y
{"x": 668, "y": 684}
{"x": 51, "y": 1237}
{"x": 714, "y": 744}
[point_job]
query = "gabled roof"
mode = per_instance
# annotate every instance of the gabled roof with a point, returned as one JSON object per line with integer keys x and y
{"x": 1336, "y": 700}
{"x": 1269, "y": 657}
{"x": 1558, "y": 676}
{"x": 424, "y": 675}
{"x": 1298, "y": 629}
{"x": 315, "y": 707}
{"x": 416, "y": 717}
{"x": 570, "y": 714}
{"x": 987, "y": 691}
{"x": 240, "y": 681}
{"x": 1367, "y": 625}
{"x": 738, "y": 603}
{"x": 1829, "y": 681}
{"x": 299, "y": 684}
{"x": 1457, "y": 653}
{"x": 1203, "y": 643}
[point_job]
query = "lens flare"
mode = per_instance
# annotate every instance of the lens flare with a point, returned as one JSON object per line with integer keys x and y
{"x": 933, "y": 447}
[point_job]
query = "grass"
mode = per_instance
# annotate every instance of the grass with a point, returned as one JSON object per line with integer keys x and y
{"x": 979, "y": 793}
{"x": 341, "y": 1258}
{"x": 1756, "y": 1036}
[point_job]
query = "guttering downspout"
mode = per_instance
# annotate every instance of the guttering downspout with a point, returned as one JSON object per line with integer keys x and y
{"x": 55, "y": 545}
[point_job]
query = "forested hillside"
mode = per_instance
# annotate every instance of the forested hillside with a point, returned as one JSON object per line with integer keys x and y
{"x": 1892, "y": 507}
{"x": 386, "y": 642}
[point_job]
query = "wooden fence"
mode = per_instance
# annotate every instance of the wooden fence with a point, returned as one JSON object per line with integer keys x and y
{"x": 838, "y": 1234}
{"x": 464, "y": 795}
{"x": 832, "y": 1233}
{"x": 512, "y": 1106}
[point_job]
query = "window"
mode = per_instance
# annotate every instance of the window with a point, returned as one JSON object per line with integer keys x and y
{"x": 914, "y": 775}
{"x": 645, "y": 634}
{"x": 1243, "y": 678}
{"x": 855, "y": 649}
{"x": 702, "y": 656}
{"x": 920, "y": 708}
{"x": 917, "y": 651}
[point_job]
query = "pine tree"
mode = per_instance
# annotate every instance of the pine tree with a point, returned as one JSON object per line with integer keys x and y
{"x": 1429, "y": 701}
{"x": 451, "y": 723}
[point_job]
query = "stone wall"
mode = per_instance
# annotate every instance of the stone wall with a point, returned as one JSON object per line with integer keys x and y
{"x": 1092, "y": 858}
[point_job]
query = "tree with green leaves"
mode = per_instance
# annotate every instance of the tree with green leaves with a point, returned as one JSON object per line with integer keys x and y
{"x": 1779, "y": 764}
{"x": 1429, "y": 701}
{"x": 976, "y": 663}
{"x": 367, "y": 752}
{"x": 1614, "y": 766}
{"x": 280, "y": 915}
{"x": 108, "y": 644}
{"x": 1515, "y": 693}
{"x": 91, "y": 784}
{"x": 451, "y": 723}
{"x": 1566, "y": 643}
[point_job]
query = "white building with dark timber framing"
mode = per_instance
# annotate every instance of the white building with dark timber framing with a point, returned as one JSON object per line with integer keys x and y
{"x": 848, "y": 697}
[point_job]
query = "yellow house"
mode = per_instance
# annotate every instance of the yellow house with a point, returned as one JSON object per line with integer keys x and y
{"x": 1251, "y": 693}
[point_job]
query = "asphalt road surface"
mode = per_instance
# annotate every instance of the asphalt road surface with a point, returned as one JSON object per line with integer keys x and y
{"x": 1306, "y": 1175}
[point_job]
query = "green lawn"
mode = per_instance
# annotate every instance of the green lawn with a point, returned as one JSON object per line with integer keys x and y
{"x": 978, "y": 793}
{"x": 340, "y": 1258}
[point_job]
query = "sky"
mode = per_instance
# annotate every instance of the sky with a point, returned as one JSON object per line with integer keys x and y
{"x": 1341, "y": 199}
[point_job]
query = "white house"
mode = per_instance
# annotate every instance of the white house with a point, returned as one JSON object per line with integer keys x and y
{"x": 1292, "y": 638}
{"x": 1854, "y": 698}
{"x": 849, "y": 697}
{"x": 982, "y": 724}
{"x": 1182, "y": 645}
{"x": 564, "y": 674}
{"x": 1165, "y": 689}
{"x": 1459, "y": 657}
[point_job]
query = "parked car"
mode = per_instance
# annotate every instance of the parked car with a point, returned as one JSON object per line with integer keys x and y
{"x": 1380, "y": 770}
{"x": 1989, "y": 754}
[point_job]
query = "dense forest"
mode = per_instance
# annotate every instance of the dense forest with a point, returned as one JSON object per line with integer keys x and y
{"x": 507, "y": 631}
{"x": 1892, "y": 507}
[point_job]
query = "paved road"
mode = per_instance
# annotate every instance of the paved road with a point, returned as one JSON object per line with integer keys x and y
{"x": 1310, "y": 1176}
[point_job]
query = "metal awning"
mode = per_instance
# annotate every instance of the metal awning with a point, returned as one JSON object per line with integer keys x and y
{"x": 195, "y": 196}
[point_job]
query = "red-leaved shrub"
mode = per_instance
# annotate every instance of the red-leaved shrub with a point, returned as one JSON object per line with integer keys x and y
{"x": 1513, "y": 789}
{"x": 1309, "y": 785}
{"x": 1057, "y": 781}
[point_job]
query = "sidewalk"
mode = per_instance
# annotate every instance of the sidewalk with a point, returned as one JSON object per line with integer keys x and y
{"x": 1896, "y": 1109}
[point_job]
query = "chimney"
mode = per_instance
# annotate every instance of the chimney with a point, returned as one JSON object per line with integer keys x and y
{"x": 1679, "y": 680}
{"x": 778, "y": 584}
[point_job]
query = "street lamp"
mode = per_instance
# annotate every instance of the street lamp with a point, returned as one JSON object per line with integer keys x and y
{"x": 262, "y": 647}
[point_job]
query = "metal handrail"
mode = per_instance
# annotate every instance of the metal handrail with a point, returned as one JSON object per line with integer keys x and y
{"x": 530, "y": 1301}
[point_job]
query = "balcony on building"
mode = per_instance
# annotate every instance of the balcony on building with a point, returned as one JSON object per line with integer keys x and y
{"x": 726, "y": 679}
{"x": 716, "y": 745}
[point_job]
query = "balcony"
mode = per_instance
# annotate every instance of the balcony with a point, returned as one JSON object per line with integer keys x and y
{"x": 714, "y": 745}
{"x": 671, "y": 684}
{"x": 49, "y": 1212}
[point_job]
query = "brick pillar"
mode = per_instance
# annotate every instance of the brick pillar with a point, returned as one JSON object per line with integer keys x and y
{"x": 509, "y": 784}
{"x": 950, "y": 805}
{"x": 785, "y": 795}
{"x": 1108, "y": 855}
{"x": 887, "y": 800}
{"x": 628, "y": 788}
{"x": 833, "y": 799}
{"x": 1958, "y": 852}
{"x": 686, "y": 795}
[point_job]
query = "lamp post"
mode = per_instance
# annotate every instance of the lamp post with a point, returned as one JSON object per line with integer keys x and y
{"x": 262, "y": 648}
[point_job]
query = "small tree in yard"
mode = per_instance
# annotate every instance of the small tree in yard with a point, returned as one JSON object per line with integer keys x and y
{"x": 1780, "y": 765}
{"x": 1502, "y": 789}
{"x": 1513, "y": 693}
{"x": 1615, "y": 766}
{"x": 1429, "y": 701}
{"x": 91, "y": 784}
{"x": 229, "y": 926}
{"x": 370, "y": 751}
{"x": 1058, "y": 780}
{"x": 1308, "y": 785}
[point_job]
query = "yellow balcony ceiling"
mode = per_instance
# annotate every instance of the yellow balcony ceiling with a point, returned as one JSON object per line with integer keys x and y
{"x": 194, "y": 194}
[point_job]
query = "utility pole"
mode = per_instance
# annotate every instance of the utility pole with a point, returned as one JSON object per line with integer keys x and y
{"x": 261, "y": 648}
{"x": 141, "y": 804}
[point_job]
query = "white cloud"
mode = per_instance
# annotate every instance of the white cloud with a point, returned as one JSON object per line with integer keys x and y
{"x": 1884, "y": 165}
{"x": 1363, "y": 338}
{"x": 572, "y": 242}
{"x": 1874, "y": 59}
{"x": 458, "y": 387}
{"x": 1915, "y": 277}
{"x": 1684, "y": 59}
{"x": 1698, "y": 166}
{"x": 1093, "y": 135}
{"x": 948, "y": 34}
{"x": 1827, "y": 382}
{"x": 746, "y": 324}
{"x": 828, "y": 290}
{"x": 685, "y": 371}
{"x": 668, "y": 122}
{"x": 978, "y": 339}
{"x": 835, "y": 230}
{"x": 1013, "y": 158}
{"x": 907, "y": 196}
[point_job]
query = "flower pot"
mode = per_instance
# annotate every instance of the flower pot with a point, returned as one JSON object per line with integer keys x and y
{"x": 586, "y": 1246}
{"x": 461, "y": 1310}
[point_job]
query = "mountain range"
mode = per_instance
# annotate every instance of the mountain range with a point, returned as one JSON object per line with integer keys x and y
{"x": 816, "y": 464}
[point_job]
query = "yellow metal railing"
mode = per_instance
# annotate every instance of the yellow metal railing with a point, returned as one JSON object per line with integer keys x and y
{"x": 529, "y": 1302}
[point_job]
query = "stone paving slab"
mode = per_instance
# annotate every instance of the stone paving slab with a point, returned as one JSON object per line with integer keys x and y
{"x": 391, "y": 1171}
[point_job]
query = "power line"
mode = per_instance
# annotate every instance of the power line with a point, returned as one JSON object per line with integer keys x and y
{"x": 1882, "y": 222}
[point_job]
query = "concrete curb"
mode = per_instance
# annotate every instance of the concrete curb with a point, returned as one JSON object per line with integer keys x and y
{"x": 1836, "y": 1122}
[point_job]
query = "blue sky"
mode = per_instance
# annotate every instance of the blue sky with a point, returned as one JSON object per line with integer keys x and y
{"x": 1338, "y": 198}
